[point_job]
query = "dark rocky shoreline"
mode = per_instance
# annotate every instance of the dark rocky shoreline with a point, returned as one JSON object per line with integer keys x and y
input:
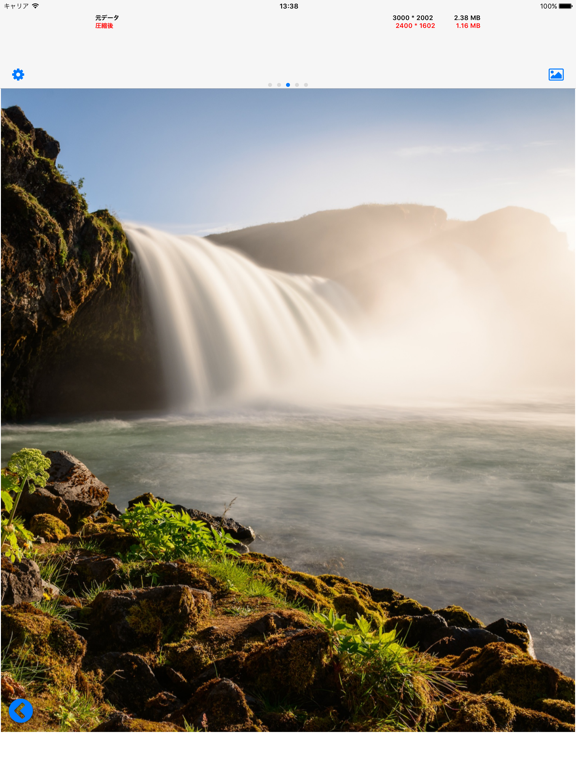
{"x": 174, "y": 645}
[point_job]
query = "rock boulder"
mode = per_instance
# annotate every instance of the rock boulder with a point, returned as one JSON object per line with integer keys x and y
{"x": 128, "y": 620}
{"x": 218, "y": 705}
{"x": 21, "y": 582}
{"x": 72, "y": 482}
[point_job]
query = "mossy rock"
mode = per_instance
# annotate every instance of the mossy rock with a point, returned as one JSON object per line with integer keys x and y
{"x": 149, "y": 574}
{"x": 136, "y": 725}
{"x": 457, "y": 617}
{"x": 188, "y": 657}
{"x": 126, "y": 680}
{"x": 407, "y": 607}
{"x": 218, "y": 705}
{"x": 91, "y": 528}
{"x": 513, "y": 632}
{"x": 144, "y": 619}
{"x": 283, "y": 722}
{"x": 292, "y": 664}
{"x": 49, "y": 527}
{"x": 111, "y": 538}
{"x": 45, "y": 642}
{"x": 185, "y": 573}
{"x": 561, "y": 710}
{"x": 317, "y": 593}
{"x": 145, "y": 498}
{"x": 122, "y": 723}
{"x": 506, "y": 669}
{"x": 530, "y": 721}
{"x": 322, "y": 723}
{"x": 473, "y": 713}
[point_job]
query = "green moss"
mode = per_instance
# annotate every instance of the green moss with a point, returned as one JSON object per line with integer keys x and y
{"x": 141, "y": 621}
{"x": 561, "y": 710}
{"x": 471, "y": 713}
{"x": 47, "y": 642}
{"x": 565, "y": 688}
{"x": 290, "y": 665}
{"x": 530, "y": 721}
{"x": 457, "y": 617}
{"x": 143, "y": 618}
{"x": 407, "y": 607}
{"x": 25, "y": 215}
{"x": 188, "y": 656}
{"x": 14, "y": 406}
{"x": 49, "y": 527}
{"x": 321, "y": 723}
{"x": 169, "y": 619}
{"x": 506, "y": 669}
{"x": 135, "y": 725}
{"x": 317, "y": 593}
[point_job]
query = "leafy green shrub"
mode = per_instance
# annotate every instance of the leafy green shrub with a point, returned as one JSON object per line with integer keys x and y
{"x": 26, "y": 467}
{"x": 15, "y": 539}
{"x": 382, "y": 681}
{"x": 74, "y": 711}
{"x": 165, "y": 534}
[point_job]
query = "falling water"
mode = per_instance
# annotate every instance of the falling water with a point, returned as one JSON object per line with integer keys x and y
{"x": 229, "y": 328}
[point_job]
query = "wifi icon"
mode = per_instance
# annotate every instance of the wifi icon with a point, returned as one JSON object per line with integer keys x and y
{"x": 35, "y": 5}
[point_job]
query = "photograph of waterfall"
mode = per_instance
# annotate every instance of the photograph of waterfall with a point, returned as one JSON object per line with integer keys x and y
{"x": 350, "y": 314}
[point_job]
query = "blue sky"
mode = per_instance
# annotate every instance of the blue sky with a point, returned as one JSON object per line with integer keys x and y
{"x": 197, "y": 161}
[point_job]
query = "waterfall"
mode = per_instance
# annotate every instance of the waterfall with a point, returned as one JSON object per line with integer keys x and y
{"x": 229, "y": 328}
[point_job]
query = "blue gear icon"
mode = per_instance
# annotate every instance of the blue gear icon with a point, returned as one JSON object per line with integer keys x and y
{"x": 17, "y": 74}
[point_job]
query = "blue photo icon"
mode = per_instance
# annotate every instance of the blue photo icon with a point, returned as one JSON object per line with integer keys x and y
{"x": 556, "y": 74}
{"x": 21, "y": 710}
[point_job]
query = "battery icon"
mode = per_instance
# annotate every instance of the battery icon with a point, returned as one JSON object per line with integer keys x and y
{"x": 565, "y": 5}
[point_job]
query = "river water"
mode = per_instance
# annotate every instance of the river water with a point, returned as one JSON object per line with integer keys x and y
{"x": 470, "y": 505}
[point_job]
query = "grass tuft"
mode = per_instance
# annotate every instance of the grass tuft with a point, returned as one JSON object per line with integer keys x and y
{"x": 74, "y": 711}
{"x": 19, "y": 667}
{"x": 236, "y": 577}
{"x": 57, "y": 611}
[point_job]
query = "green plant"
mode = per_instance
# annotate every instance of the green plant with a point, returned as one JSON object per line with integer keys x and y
{"x": 279, "y": 702}
{"x": 59, "y": 549}
{"x": 18, "y": 667}
{"x": 75, "y": 711}
{"x": 52, "y": 571}
{"x": 165, "y": 534}
{"x": 242, "y": 610}
{"x": 191, "y": 729}
{"x": 220, "y": 546}
{"x": 161, "y": 658}
{"x": 236, "y": 577}
{"x": 359, "y": 638}
{"x": 90, "y": 546}
{"x": 25, "y": 467}
{"x": 16, "y": 539}
{"x": 380, "y": 679}
{"x": 91, "y": 593}
{"x": 57, "y": 611}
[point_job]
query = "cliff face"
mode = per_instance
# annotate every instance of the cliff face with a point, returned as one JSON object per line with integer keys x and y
{"x": 75, "y": 334}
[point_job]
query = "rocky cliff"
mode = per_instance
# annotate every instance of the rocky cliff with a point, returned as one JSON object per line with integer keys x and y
{"x": 75, "y": 331}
